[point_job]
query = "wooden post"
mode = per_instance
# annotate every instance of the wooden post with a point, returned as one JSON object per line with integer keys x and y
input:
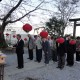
{"x": 1, "y": 71}
{"x": 2, "y": 63}
{"x": 74, "y": 29}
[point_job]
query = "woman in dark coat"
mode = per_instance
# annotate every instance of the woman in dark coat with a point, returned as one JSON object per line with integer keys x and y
{"x": 71, "y": 49}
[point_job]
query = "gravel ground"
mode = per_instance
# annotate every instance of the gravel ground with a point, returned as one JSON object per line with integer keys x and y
{"x": 38, "y": 71}
{"x": 49, "y": 73}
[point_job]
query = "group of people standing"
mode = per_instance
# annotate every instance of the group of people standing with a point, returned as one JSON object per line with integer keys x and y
{"x": 41, "y": 45}
{"x": 52, "y": 50}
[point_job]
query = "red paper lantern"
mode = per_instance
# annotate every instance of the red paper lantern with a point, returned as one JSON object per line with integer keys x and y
{"x": 14, "y": 36}
{"x": 44, "y": 34}
{"x": 27, "y": 27}
{"x": 60, "y": 40}
{"x": 72, "y": 42}
{"x": 7, "y": 34}
{"x": 25, "y": 39}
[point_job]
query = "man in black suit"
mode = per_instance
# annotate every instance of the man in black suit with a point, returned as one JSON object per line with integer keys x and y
{"x": 19, "y": 51}
{"x": 61, "y": 54}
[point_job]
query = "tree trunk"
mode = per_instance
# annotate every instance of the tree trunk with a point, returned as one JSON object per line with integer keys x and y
{"x": 62, "y": 32}
{"x": 3, "y": 43}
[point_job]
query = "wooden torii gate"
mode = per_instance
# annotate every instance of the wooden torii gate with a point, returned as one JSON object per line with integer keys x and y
{"x": 75, "y": 24}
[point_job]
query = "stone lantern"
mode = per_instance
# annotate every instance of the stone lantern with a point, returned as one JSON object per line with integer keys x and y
{"x": 2, "y": 62}
{"x": 2, "y": 58}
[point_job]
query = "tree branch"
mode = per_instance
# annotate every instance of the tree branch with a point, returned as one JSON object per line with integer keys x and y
{"x": 9, "y": 13}
{"x": 25, "y": 14}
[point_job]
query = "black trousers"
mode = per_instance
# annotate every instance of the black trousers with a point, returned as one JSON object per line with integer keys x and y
{"x": 47, "y": 59}
{"x": 38, "y": 54}
{"x": 20, "y": 60}
{"x": 61, "y": 61}
{"x": 77, "y": 55}
{"x": 54, "y": 55}
{"x": 70, "y": 59}
{"x": 30, "y": 54}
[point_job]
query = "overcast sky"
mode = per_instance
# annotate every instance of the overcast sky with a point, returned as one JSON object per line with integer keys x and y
{"x": 39, "y": 18}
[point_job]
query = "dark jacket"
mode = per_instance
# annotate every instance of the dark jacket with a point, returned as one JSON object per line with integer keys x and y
{"x": 70, "y": 48}
{"x": 46, "y": 46}
{"x": 20, "y": 47}
{"x": 61, "y": 49}
{"x": 77, "y": 45}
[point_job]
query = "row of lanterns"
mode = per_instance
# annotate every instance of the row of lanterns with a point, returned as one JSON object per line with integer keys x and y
{"x": 28, "y": 27}
{"x": 14, "y": 36}
{"x": 43, "y": 34}
{"x": 61, "y": 40}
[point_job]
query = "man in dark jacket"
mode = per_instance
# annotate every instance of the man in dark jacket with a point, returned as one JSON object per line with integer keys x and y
{"x": 46, "y": 49}
{"x": 61, "y": 54}
{"x": 19, "y": 51}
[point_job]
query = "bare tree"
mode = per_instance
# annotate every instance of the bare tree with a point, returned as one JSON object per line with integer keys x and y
{"x": 13, "y": 11}
{"x": 64, "y": 10}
